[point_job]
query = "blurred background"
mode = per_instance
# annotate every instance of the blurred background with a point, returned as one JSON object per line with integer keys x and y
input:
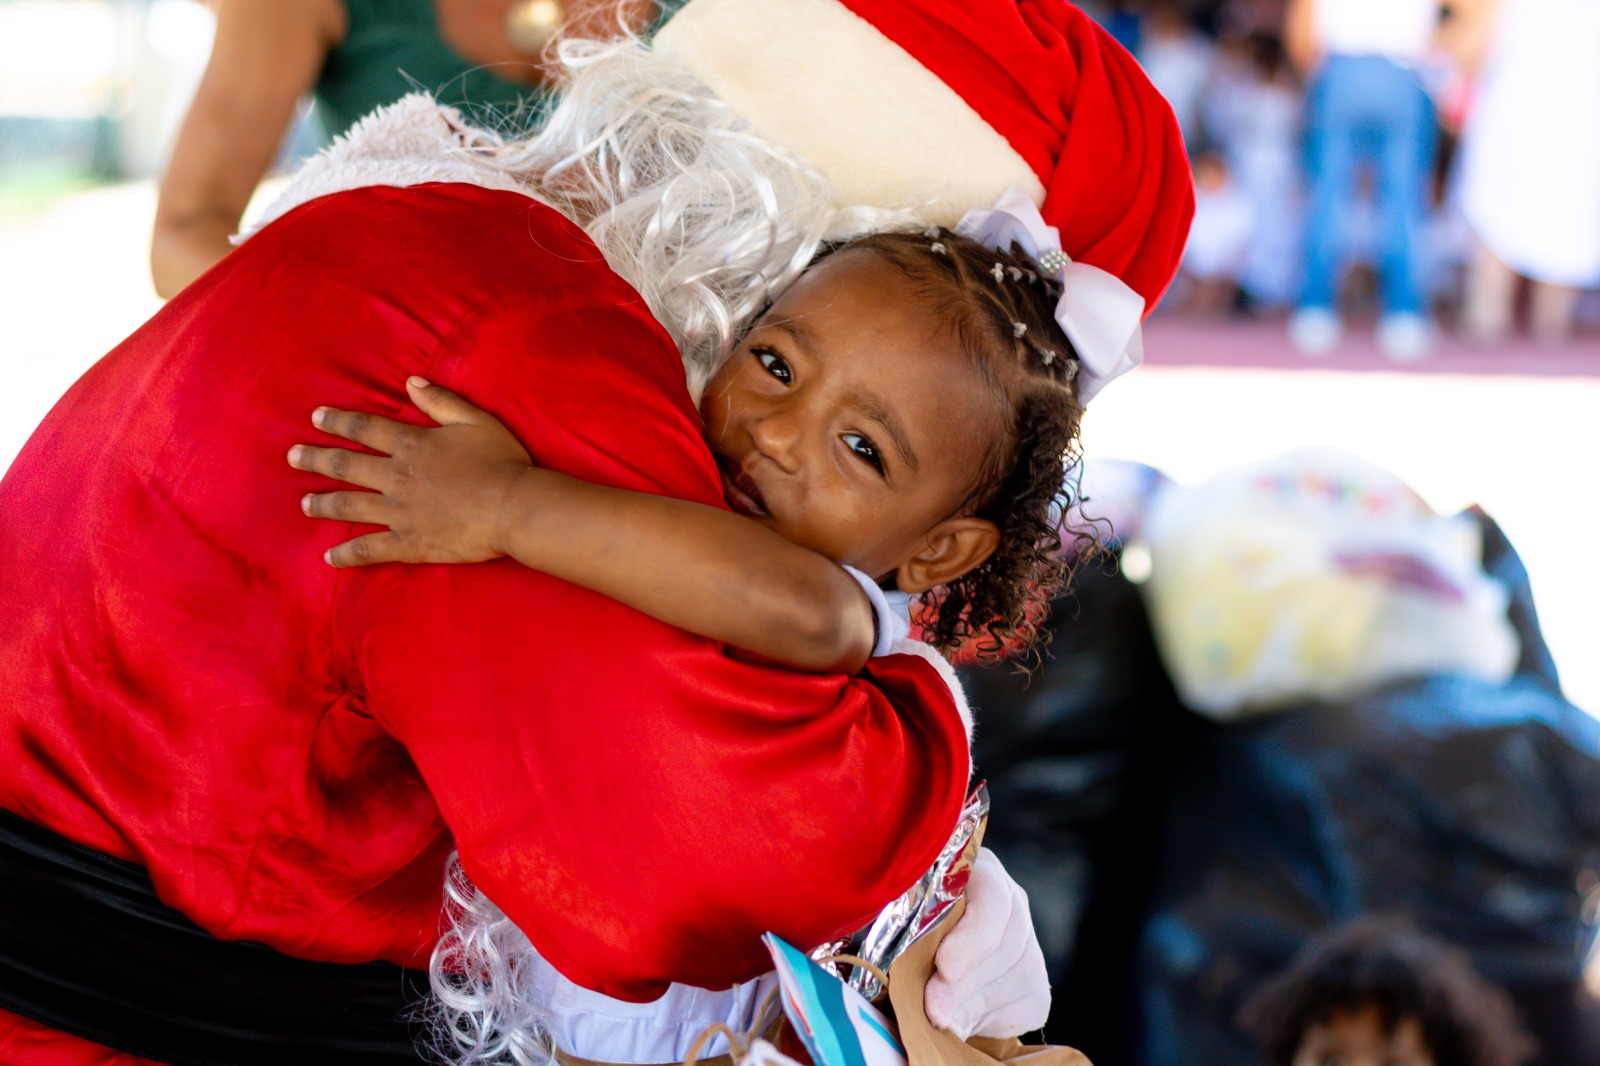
{"x": 1475, "y": 382}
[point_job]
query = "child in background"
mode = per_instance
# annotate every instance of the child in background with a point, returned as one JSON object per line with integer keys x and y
{"x": 1219, "y": 240}
{"x": 1178, "y": 59}
{"x": 1264, "y": 145}
{"x": 895, "y": 423}
{"x": 1376, "y": 992}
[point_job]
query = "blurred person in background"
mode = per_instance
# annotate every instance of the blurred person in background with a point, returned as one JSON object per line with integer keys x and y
{"x": 352, "y": 56}
{"x": 1376, "y": 992}
{"x": 1219, "y": 238}
{"x": 1225, "y": 82}
{"x": 1123, "y": 19}
{"x": 1365, "y": 102}
{"x": 1178, "y": 59}
{"x": 1530, "y": 160}
{"x": 1255, "y": 118}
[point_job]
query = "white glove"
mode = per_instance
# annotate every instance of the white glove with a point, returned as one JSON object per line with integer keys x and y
{"x": 989, "y": 977}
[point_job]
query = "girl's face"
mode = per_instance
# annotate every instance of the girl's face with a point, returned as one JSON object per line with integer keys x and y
{"x": 851, "y": 424}
{"x": 1357, "y": 1038}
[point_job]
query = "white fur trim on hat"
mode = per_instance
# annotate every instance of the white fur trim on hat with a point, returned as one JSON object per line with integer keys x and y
{"x": 824, "y": 83}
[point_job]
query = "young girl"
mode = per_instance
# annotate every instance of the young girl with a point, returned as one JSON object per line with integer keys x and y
{"x": 1377, "y": 991}
{"x": 896, "y": 423}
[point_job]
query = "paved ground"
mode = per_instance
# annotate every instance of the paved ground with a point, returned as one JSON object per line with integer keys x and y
{"x": 1514, "y": 429}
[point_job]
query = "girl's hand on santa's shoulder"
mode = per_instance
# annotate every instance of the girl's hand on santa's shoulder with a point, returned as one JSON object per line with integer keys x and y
{"x": 442, "y": 492}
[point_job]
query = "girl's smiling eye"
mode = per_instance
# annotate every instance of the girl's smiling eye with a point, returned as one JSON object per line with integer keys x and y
{"x": 775, "y": 364}
{"x": 865, "y": 450}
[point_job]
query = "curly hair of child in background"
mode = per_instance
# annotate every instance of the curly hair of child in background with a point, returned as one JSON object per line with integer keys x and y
{"x": 1376, "y": 990}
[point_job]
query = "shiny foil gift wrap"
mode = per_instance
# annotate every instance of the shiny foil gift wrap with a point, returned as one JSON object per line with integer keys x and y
{"x": 907, "y": 919}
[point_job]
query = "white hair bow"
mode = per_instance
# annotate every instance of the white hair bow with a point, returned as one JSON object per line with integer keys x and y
{"x": 1097, "y": 311}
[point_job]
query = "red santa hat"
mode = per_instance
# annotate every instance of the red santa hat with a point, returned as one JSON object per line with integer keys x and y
{"x": 941, "y": 105}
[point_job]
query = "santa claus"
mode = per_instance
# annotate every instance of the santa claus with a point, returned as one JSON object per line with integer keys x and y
{"x": 232, "y": 776}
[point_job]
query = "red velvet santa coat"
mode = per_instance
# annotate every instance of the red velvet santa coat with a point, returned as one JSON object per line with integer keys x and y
{"x": 292, "y": 751}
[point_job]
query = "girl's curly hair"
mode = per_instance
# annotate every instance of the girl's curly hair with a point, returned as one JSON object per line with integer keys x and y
{"x": 1002, "y": 313}
{"x": 1387, "y": 964}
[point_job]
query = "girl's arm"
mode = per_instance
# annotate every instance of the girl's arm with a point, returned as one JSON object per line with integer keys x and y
{"x": 467, "y": 492}
{"x": 266, "y": 55}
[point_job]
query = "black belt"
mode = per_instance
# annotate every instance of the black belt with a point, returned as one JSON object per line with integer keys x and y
{"x": 88, "y": 949}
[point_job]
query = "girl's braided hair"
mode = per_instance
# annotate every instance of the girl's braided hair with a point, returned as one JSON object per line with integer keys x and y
{"x": 1002, "y": 313}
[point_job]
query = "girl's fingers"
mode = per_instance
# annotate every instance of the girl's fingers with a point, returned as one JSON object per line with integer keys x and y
{"x": 375, "y": 431}
{"x": 357, "y": 468}
{"x": 363, "y": 551}
{"x": 442, "y": 405}
{"x": 368, "y": 507}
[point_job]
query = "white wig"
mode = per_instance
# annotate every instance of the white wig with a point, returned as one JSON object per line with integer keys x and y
{"x": 485, "y": 1006}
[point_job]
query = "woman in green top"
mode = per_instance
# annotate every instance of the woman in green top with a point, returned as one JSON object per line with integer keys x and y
{"x": 353, "y": 55}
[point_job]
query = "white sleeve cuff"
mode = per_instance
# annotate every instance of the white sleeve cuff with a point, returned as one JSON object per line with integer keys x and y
{"x": 891, "y": 613}
{"x": 596, "y": 1027}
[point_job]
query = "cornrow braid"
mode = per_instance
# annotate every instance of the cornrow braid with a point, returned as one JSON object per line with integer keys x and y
{"x": 1002, "y": 312}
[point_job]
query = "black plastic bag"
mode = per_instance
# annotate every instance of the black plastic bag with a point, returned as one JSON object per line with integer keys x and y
{"x": 1210, "y": 853}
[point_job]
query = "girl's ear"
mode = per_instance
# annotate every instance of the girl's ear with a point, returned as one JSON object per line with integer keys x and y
{"x": 955, "y": 547}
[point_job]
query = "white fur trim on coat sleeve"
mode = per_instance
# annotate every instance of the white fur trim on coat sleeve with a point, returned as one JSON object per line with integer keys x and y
{"x": 413, "y": 141}
{"x": 946, "y": 672}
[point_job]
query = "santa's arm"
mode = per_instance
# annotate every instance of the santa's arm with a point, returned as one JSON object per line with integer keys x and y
{"x": 641, "y": 804}
{"x": 989, "y": 980}
{"x": 468, "y": 492}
